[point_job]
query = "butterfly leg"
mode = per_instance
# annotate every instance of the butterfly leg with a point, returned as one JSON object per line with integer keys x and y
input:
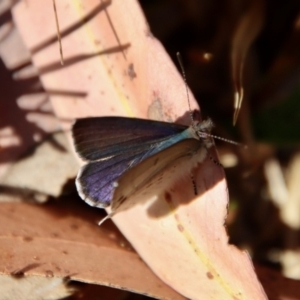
{"x": 216, "y": 162}
{"x": 194, "y": 184}
{"x": 109, "y": 216}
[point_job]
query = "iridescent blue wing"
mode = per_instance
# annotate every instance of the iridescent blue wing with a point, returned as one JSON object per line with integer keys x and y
{"x": 114, "y": 145}
{"x": 97, "y": 180}
{"x": 101, "y": 137}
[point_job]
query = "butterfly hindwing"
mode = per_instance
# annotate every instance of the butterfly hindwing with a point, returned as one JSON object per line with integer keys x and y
{"x": 96, "y": 180}
{"x": 153, "y": 175}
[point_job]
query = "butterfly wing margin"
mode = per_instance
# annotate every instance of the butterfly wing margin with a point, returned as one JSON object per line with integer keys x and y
{"x": 102, "y": 137}
{"x": 156, "y": 173}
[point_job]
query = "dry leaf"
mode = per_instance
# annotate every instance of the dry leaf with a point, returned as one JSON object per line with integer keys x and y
{"x": 33, "y": 288}
{"x": 111, "y": 55}
{"x": 247, "y": 30}
{"x": 63, "y": 240}
{"x": 47, "y": 240}
{"x": 23, "y": 129}
{"x": 50, "y": 162}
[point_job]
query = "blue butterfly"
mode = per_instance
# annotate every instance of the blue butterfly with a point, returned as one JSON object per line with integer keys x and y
{"x": 129, "y": 159}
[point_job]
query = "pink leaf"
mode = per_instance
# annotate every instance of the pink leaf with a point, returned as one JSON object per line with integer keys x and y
{"x": 124, "y": 70}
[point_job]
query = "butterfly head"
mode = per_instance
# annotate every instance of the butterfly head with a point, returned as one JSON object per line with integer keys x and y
{"x": 202, "y": 131}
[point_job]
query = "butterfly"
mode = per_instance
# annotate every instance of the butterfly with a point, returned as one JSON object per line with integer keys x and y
{"x": 130, "y": 159}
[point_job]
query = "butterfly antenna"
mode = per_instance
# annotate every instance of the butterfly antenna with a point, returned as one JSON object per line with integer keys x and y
{"x": 189, "y": 103}
{"x": 185, "y": 81}
{"x": 204, "y": 135}
{"x": 109, "y": 216}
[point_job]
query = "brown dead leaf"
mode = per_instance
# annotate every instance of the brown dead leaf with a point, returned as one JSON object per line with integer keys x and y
{"x": 63, "y": 240}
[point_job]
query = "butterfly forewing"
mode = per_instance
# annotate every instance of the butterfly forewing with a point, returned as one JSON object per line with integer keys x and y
{"x": 97, "y": 138}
